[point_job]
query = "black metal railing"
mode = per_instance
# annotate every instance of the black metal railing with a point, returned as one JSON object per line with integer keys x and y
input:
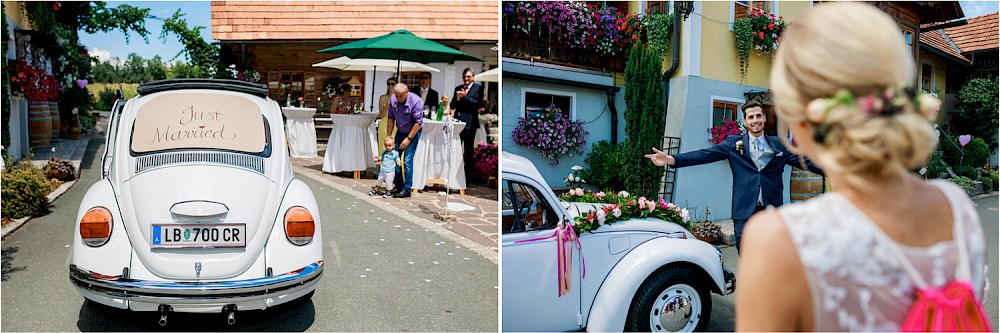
{"x": 672, "y": 146}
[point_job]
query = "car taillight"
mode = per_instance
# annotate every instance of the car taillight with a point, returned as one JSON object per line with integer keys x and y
{"x": 95, "y": 226}
{"x": 299, "y": 226}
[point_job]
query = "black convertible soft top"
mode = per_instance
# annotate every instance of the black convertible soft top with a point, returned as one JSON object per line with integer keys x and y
{"x": 256, "y": 89}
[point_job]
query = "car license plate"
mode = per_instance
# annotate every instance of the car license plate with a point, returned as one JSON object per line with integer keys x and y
{"x": 199, "y": 235}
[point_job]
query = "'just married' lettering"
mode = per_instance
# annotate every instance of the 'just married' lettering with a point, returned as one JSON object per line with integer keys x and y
{"x": 211, "y": 127}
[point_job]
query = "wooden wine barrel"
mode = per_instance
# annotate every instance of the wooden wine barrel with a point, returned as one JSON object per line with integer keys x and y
{"x": 804, "y": 185}
{"x": 56, "y": 123}
{"x": 39, "y": 124}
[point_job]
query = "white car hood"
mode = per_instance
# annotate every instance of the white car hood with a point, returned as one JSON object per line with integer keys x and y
{"x": 251, "y": 198}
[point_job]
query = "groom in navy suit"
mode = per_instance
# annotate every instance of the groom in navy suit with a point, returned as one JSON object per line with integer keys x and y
{"x": 757, "y": 162}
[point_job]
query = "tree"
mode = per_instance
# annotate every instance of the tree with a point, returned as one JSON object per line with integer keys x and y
{"x": 643, "y": 119}
{"x": 977, "y": 110}
{"x": 199, "y": 52}
{"x": 106, "y": 72}
{"x": 181, "y": 69}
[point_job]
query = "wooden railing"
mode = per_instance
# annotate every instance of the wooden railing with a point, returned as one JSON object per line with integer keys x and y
{"x": 542, "y": 48}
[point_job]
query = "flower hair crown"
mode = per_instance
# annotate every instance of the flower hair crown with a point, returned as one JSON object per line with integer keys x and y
{"x": 888, "y": 102}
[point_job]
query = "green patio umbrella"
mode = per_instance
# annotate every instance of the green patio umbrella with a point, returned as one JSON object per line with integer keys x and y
{"x": 400, "y": 45}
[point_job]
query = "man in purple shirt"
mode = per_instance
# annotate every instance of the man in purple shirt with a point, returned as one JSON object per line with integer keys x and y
{"x": 406, "y": 116}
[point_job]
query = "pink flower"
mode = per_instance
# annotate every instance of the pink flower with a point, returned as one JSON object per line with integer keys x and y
{"x": 601, "y": 216}
{"x": 685, "y": 215}
{"x": 642, "y": 204}
{"x": 652, "y": 206}
{"x": 663, "y": 204}
{"x": 600, "y": 194}
{"x": 616, "y": 212}
{"x": 671, "y": 205}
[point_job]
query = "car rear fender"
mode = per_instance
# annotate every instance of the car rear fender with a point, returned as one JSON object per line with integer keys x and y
{"x": 610, "y": 307}
{"x": 114, "y": 256}
{"x": 281, "y": 256}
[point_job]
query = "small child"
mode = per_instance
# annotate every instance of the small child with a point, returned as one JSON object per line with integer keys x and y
{"x": 387, "y": 173}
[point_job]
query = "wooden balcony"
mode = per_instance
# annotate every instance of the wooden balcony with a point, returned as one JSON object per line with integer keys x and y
{"x": 540, "y": 47}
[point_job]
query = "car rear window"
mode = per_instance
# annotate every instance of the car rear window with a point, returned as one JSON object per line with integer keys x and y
{"x": 199, "y": 120}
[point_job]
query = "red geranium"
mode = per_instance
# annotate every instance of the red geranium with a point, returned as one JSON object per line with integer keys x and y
{"x": 33, "y": 82}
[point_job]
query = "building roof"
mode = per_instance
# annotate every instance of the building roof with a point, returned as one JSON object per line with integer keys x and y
{"x": 345, "y": 20}
{"x": 981, "y": 33}
{"x": 937, "y": 40}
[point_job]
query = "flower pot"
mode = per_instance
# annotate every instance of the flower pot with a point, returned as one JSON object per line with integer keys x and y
{"x": 39, "y": 124}
{"x": 710, "y": 239}
{"x": 56, "y": 174}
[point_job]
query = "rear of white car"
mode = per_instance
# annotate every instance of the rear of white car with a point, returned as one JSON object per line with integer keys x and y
{"x": 198, "y": 210}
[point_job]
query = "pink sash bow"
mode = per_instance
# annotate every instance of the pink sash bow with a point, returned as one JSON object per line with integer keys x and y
{"x": 564, "y": 258}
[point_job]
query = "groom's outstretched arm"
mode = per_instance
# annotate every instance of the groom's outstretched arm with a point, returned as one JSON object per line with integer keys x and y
{"x": 715, "y": 153}
{"x": 795, "y": 161}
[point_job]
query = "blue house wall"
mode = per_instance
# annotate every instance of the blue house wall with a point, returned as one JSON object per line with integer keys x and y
{"x": 589, "y": 105}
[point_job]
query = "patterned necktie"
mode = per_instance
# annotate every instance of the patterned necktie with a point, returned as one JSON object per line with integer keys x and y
{"x": 762, "y": 155}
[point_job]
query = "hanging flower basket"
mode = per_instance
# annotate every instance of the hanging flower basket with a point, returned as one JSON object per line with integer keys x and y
{"x": 552, "y": 134}
{"x": 759, "y": 32}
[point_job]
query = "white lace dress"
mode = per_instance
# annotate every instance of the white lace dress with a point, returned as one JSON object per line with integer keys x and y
{"x": 856, "y": 283}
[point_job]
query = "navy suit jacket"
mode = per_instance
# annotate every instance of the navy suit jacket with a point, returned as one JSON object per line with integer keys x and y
{"x": 747, "y": 180}
{"x": 467, "y": 108}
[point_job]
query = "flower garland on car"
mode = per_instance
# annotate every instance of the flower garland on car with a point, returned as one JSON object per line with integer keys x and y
{"x": 33, "y": 82}
{"x": 622, "y": 207}
{"x": 552, "y": 134}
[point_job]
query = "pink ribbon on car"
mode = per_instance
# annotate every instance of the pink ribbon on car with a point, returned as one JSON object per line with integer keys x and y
{"x": 564, "y": 258}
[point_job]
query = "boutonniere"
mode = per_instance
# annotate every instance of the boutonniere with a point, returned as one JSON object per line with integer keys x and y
{"x": 739, "y": 146}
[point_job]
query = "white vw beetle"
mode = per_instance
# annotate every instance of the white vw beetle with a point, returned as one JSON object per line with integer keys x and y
{"x": 634, "y": 275}
{"x": 198, "y": 209}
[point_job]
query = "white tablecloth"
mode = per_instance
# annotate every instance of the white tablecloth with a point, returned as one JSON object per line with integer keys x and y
{"x": 349, "y": 147}
{"x": 301, "y": 131}
{"x": 429, "y": 160}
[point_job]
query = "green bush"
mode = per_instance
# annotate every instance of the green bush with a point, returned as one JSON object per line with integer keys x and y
{"x": 106, "y": 99}
{"x": 966, "y": 171}
{"x": 977, "y": 152}
{"x": 963, "y": 182}
{"x": 987, "y": 183}
{"x": 605, "y": 166}
{"x": 936, "y": 167}
{"x": 24, "y": 190}
{"x": 87, "y": 120}
{"x": 991, "y": 178}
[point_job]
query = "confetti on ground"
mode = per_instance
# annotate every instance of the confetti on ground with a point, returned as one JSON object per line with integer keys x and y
{"x": 381, "y": 239}
{"x": 409, "y": 240}
{"x": 376, "y": 253}
{"x": 397, "y": 226}
{"x": 410, "y": 262}
{"x": 450, "y": 254}
{"x": 436, "y": 263}
{"x": 427, "y": 280}
{"x": 407, "y": 229}
{"x": 466, "y": 258}
{"x": 362, "y": 275}
{"x": 457, "y": 247}
{"x": 368, "y": 269}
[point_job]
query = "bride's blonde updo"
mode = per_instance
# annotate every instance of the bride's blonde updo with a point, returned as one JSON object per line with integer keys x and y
{"x": 853, "y": 48}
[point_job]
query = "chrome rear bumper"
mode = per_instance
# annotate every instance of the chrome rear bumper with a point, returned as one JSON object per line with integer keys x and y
{"x": 196, "y": 292}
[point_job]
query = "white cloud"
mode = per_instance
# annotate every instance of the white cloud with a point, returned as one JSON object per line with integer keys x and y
{"x": 100, "y": 54}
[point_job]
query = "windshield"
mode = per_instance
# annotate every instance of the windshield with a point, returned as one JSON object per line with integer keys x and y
{"x": 199, "y": 120}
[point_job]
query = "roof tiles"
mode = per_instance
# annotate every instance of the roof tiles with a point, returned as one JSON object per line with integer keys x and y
{"x": 980, "y": 33}
{"x": 443, "y": 20}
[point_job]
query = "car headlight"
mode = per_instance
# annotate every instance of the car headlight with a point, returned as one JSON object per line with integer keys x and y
{"x": 95, "y": 226}
{"x": 300, "y": 227}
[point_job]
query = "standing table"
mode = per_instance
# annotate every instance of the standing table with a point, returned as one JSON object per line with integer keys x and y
{"x": 429, "y": 159}
{"x": 349, "y": 146}
{"x": 301, "y": 131}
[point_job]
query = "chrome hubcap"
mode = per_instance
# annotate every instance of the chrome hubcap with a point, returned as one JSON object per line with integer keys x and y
{"x": 677, "y": 309}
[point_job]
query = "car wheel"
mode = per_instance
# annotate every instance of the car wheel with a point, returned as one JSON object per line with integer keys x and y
{"x": 673, "y": 299}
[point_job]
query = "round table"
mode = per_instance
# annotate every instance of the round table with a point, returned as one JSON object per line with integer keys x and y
{"x": 349, "y": 146}
{"x": 429, "y": 161}
{"x": 301, "y": 131}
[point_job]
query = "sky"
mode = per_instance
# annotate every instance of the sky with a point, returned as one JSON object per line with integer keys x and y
{"x": 106, "y": 45}
{"x": 112, "y": 44}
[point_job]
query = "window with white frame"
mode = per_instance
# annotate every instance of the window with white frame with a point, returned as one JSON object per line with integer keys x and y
{"x": 536, "y": 102}
{"x": 724, "y": 110}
